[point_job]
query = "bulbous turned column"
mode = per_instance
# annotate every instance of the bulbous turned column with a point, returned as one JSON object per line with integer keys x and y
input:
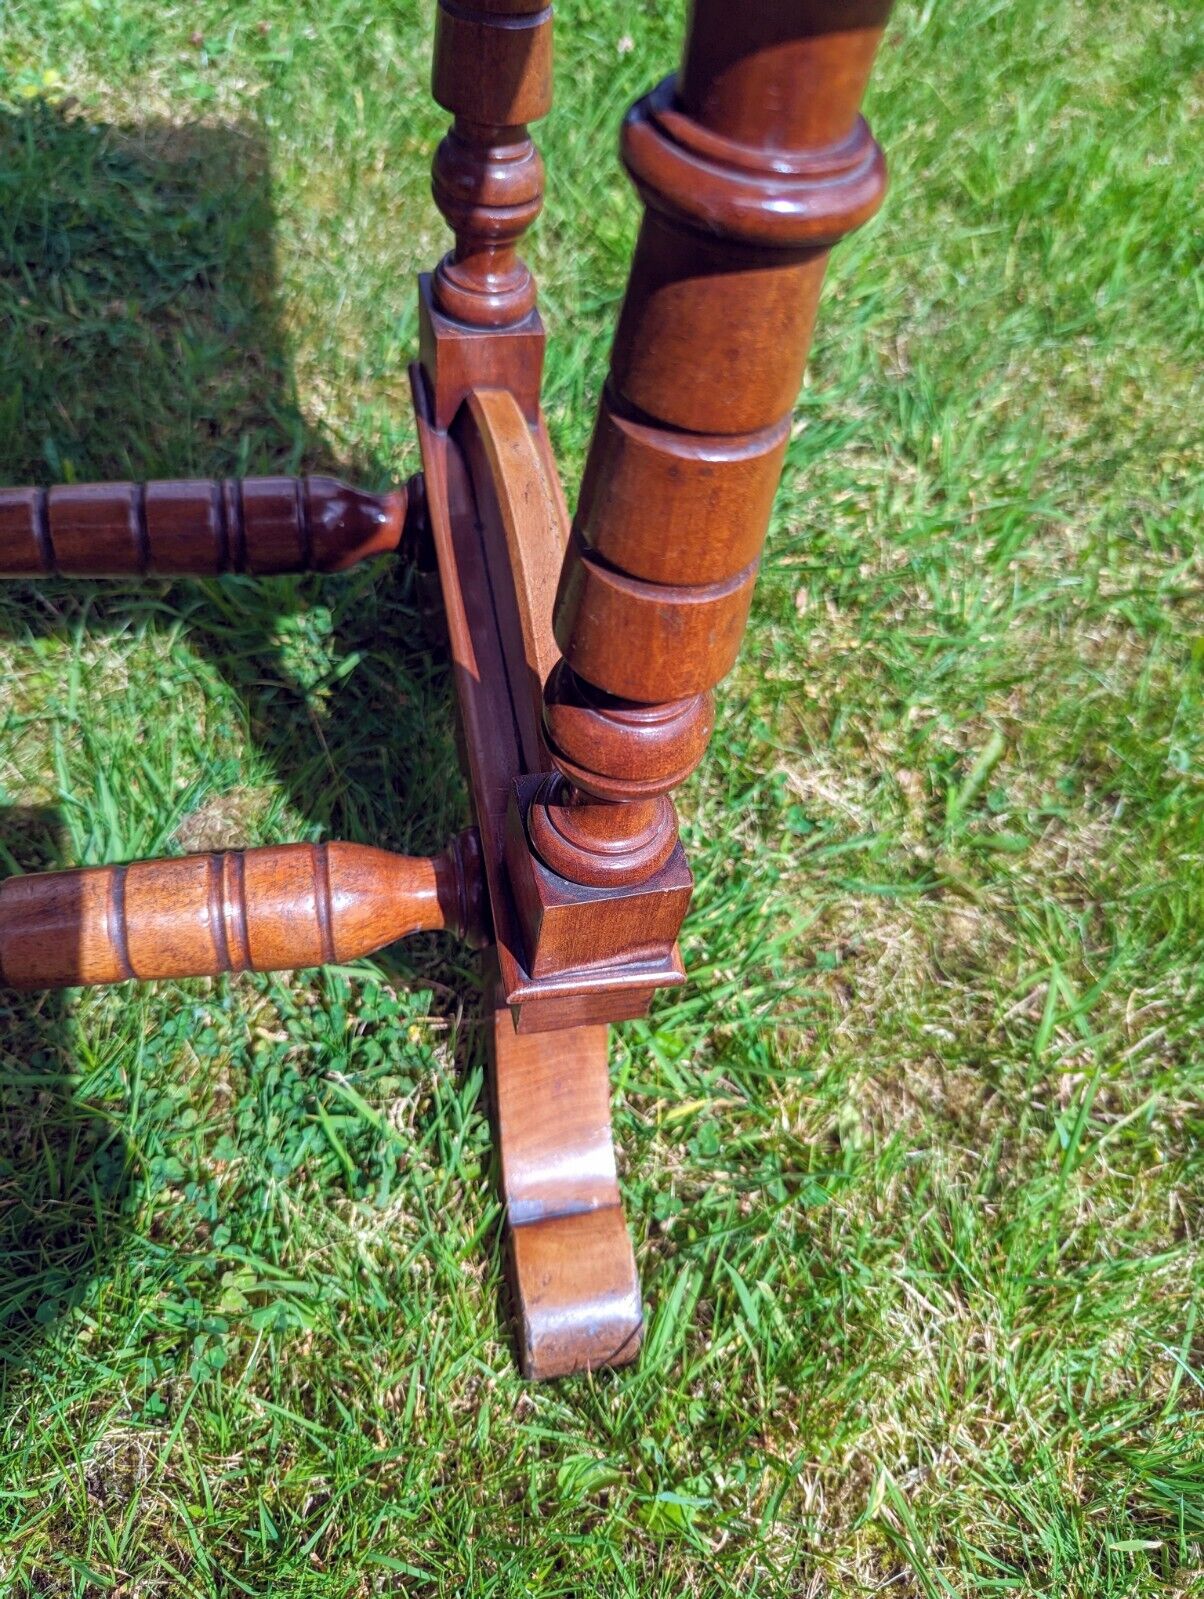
{"x": 493, "y": 72}
{"x": 604, "y": 817}
{"x": 751, "y": 164}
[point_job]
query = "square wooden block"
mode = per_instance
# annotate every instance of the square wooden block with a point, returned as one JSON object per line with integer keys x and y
{"x": 458, "y": 358}
{"x": 566, "y": 927}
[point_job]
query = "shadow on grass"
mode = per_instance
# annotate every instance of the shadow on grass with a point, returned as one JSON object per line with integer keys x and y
{"x": 64, "y": 1164}
{"x": 140, "y": 337}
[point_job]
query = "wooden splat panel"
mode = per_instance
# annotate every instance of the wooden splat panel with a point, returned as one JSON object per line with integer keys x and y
{"x": 528, "y": 538}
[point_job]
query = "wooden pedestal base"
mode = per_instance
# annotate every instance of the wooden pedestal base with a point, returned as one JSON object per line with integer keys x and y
{"x": 570, "y": 1262}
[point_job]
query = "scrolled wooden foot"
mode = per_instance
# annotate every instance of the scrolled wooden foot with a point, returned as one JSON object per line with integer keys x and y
{"x": 260, "y": 910}
{"x": 571, "y": 1265}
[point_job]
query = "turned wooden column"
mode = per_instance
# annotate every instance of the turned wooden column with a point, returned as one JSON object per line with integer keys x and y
{"x": 493, "y": 72}
{"x": 751, "y": 163}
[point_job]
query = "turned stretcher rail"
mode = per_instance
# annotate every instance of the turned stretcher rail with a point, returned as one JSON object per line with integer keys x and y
{"x": 201, "y": 527}
{"x": 261, "y": 910}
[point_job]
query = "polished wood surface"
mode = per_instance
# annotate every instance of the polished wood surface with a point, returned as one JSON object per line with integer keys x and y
{"x": 751, "y": 163}
{"x": 501, "y": 451}
{"x": 259, "y": 910}
{"x": 201, "y": 527}
{"x": 493, "y": 72}
{"x": 571, "y": 1266}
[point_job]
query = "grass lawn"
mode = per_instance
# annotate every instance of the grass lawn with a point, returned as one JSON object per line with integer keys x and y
{"x": 915, "y": 1163}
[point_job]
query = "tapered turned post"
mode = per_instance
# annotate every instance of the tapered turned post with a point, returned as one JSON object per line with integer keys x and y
{"x": 493, "y": 72}
{"x": 751, "y": 163}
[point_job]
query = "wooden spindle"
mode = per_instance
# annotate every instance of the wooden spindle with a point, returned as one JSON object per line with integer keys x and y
{"x": 493, "y": 72}
{"x": 751, "y": 164}
{"x": 202, "y": 527}
{"x": 259, "y": 910}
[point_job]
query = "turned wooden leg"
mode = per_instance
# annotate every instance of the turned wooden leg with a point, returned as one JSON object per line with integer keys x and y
{"x": 571, "y": 1266}
{"x": 259, "y": 910}
{"x": 479, "y": 327}
{"x": 752, "y": 162}
{"x": 202, "y": 528}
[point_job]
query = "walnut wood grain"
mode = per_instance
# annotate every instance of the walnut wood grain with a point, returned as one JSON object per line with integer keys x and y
{"x": 751, "y": 163}
{"x": 571, "y": 1266}
{"x": 478, "y": 323}
{"x": 201, "y": 527}
{"x": 525, "y": 520}
{"x": 584, "y": 663}
{"x": 260, "y": 910}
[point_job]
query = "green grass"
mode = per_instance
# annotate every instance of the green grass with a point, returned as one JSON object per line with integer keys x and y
{"x": 915, "y": 1163}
